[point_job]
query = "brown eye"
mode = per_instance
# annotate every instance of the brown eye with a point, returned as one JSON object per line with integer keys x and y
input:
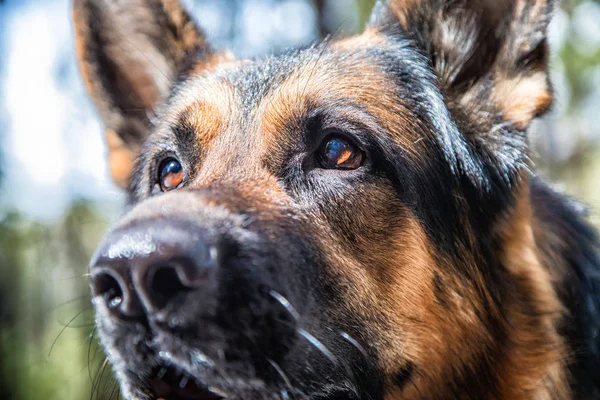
{"x": 170, "y": 174}
{"x": 339, "y": 153}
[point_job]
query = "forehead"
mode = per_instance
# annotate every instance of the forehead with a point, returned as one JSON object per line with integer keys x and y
{"x": 362, "y": 77}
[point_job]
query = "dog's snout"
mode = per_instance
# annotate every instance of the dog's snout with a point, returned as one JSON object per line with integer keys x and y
{"x": 169, "y": 275}
{"x": 142, "y": 269}
{"x": 115, "y": 292}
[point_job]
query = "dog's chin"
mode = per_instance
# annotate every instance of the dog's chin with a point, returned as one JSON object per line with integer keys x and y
{"x": 173, "y": 381}
{"x": 168, "y": 381}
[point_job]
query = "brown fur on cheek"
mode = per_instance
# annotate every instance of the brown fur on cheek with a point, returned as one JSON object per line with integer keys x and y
{"x": 418, "y": 311}
{"x": 388, "y": 284}
{"x": 534, "y": 360}
{"x": 529, "y": 363}
{"x": 440, "y": 318}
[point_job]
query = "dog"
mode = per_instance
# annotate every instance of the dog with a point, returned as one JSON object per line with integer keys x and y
{"x": 356, "y": 219}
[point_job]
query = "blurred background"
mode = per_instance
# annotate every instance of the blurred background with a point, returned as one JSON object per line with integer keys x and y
{"x": 56, "y": 198}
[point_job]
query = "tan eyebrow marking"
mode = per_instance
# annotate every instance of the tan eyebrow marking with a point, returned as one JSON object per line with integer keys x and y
{"x": 204, "y": 108}
{"x": 348, "y": 79}
{"x": 204, "y": 118}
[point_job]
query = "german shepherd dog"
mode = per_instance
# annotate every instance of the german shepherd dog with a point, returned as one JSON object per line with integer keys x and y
{"x": 357, "y": 219}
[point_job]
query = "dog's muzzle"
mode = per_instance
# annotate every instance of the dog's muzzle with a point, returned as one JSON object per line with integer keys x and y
{"x": 192, "y": 295}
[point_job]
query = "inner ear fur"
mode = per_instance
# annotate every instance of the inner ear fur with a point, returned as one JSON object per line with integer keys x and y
{"x": 490, "y": 56}
{"x": 130, "y": 53}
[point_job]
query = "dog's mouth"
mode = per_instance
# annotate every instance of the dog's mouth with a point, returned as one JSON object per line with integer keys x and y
{"x": 167, "y": 383}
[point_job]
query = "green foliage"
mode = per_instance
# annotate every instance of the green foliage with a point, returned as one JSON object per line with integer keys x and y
{"x": 47, "y": 350}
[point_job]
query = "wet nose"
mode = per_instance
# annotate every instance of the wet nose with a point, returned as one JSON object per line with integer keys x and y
{"x": 142, "y": 269}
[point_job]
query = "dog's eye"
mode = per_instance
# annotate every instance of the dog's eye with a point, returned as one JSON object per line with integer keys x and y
{"x": 337, "y": 152}
{"x": 170, "y": 174}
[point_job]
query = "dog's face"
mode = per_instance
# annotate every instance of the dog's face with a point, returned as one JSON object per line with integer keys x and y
{"x": 338, "y": 222}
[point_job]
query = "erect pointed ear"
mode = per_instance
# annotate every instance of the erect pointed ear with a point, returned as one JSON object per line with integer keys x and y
{"x": 490, "y": 56}
{"x": 129, "y": 53}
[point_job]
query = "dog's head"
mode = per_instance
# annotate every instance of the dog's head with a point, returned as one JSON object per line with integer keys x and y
{"x": 343, "y": 221}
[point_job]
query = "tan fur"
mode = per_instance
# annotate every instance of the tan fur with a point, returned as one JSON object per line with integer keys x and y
{"x": 534, "y": 365}
{"x": 142, "y": 72}
{"x": 414, "y": 303}
{"x": 363, "y": 85}
{"x": 402, "y": 9}
{"x": 370, "y": 37}
{"x": 395, "y": 293}
{"x": 205, "y": 118}
{"x": 521, "y": 99}
{"x": 120, "y": 159}
{"x": 188, "y": 35}
{"x": 216, "y": 60}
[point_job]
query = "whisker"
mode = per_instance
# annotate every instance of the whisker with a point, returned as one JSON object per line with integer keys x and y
{"x": 326, "y": 42}
{"x": 313, "y": 340}
{"x": 357, "y": 345}
{"x": 74, "y": 277}
{"x": 286, "y": 304}
{"x": 96, "y": 351}
{"x": 419, "y": 140}
{"x": 283, "y": 376}
{"x": 89, "y": 353}
{"x": 361, "y": 350}
{"x": 73, "y": 300}
{"x": 107, "y": 388}
{"x": 114, "y": 392}
{"x": 319, "y": 346}
{"x": 98, "y": 380}
{"x": 80, "y": 325}
{"x": 62, "y": 330}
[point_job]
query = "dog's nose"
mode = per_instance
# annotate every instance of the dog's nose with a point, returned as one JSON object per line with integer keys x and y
{"x": 144, "y": 268}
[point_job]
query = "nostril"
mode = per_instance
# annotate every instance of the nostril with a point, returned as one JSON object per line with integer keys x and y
{"x": 164, "y": 284}
{"x": 109, "y": 288}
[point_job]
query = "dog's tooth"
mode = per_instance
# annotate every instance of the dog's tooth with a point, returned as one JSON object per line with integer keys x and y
{"x": 217, "y": 391}
{"x": 183, "y": 382}
{"x": 201, "y": 359}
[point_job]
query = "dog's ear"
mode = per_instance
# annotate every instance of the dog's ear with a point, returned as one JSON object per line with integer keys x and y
{"x": 129, "y": 53}
{"x": 484, "y": 52}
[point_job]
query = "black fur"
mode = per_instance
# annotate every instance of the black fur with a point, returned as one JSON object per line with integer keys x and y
{"x": 273, "y": 312}
{"x": 579, "y": 247}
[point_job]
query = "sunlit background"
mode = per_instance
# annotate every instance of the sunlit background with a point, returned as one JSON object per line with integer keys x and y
{"x": 56, "y": 198}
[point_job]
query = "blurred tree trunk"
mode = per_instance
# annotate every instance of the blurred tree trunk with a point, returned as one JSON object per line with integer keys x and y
{"x": 7, "y": 315}
{"x": 321, "y": 23}
{"x": 363, "y": 9}
{"x": 4, "y": 387}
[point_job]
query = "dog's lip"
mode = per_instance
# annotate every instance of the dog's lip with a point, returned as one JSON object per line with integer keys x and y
{"x": 169, "y": 383}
